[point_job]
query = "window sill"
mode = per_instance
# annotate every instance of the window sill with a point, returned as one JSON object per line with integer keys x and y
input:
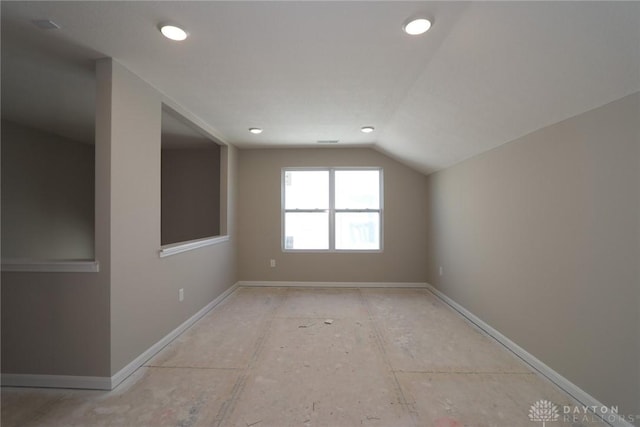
{"x": 50, "y": 266}
{"x": 177, "y": 248}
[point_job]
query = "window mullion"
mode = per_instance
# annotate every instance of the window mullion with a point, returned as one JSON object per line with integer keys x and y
{"x": 332, "y": 210}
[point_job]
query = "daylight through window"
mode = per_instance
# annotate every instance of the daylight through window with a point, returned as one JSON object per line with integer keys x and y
{"x": 332, "y": 209}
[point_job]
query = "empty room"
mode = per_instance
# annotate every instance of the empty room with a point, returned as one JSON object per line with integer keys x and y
{"x": 320, "y": 213}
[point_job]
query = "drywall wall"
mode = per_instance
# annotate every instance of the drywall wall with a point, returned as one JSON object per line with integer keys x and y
{"x": 144, "y": 287}
{"x": 190, "y": 193}
{"x": 55, "y": 324}
{"x": 59, "y": 323}
{"x": 540, "y": 238}
{"x": 47, "y": 195}
{"x": 94, "y": 324}
{"x": 259, "y": 220}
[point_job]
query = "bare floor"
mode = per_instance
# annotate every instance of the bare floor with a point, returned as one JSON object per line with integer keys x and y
{"x": 266, "y": 357}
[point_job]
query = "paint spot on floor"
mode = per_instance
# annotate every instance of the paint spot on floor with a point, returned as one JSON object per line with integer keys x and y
{"x": 447, "y": 422}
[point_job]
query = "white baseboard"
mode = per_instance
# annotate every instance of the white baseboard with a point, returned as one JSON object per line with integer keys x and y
{"x": 576, "y": 392}
{"x": 56, "y": 381}
{"x": 123, "y": 373}
{"x": 109, "y": 383}
{"x": 292, "y": 284}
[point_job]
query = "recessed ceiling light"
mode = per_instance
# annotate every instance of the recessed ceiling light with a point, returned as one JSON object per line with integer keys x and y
{"x": 172, "y": 32}
{"x": 367, "y": 129}
{"x": 255, "y": 130}
{"x": 417, "y": 26}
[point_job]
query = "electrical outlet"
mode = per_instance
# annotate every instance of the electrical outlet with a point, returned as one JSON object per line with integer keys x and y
{"x": 272, "y": 263}
{"x": 181, "y": 294}
{"x": 441, "y": 271}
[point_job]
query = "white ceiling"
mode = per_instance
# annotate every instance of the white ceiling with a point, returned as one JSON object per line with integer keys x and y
{"x": 485, "y": 74}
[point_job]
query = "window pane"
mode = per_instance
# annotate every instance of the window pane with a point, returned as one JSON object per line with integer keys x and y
{"x": 358, "y": 230}
{"x": 306, "y": 230}
{"x": 306, "y": 189}
{"x": 357, "y": 189}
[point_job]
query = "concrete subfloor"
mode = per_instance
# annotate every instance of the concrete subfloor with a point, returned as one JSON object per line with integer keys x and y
{"x": 266, "y": 357}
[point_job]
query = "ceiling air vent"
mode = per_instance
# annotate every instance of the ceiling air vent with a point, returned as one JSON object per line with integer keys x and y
{"x": 45, "y": 24}
{"x": 328, "y": 141}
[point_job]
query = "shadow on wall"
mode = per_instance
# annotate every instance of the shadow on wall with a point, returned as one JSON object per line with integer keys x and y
{"x": 47, "y": 195}
{"x": 191, "y": 182}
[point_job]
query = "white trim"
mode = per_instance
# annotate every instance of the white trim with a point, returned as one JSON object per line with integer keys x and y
{"x": 109, "y": 383}
{"x": 332, "y": 284}
{"x": 177, "y": 248}
{"x": 123, "y": 373}
{"x": 576, "y": 392}
{"x": 50, "y": 266}
{"x": 56, "y": 381}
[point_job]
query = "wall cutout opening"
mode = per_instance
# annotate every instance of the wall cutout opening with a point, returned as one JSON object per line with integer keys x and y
{"x": 48, "y": 158}
{"x": 193, "y": 170}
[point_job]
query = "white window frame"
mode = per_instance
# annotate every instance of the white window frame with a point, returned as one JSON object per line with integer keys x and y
{"x": 332, "y": 210}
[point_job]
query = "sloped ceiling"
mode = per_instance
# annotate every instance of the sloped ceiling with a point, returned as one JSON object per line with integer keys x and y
{"x": 485, "y": 74}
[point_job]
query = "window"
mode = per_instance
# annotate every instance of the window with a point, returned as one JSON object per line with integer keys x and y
{"x": 332, "y": 209}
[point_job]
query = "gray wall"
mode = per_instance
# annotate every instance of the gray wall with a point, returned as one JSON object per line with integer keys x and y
{"x": 259, "y": 231}
{"x": 144, "y": 287}
{"x": 94, "y": 324}
{"x": 47, "y": 195}
{"x": 540, "y": 238}
{"x": 55, "y": 323}
{"x": 190, "y": 193}
{"x": 58, "y": 323}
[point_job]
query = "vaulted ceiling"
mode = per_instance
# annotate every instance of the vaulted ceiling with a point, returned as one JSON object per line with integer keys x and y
{"x": 485, "y": 74}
